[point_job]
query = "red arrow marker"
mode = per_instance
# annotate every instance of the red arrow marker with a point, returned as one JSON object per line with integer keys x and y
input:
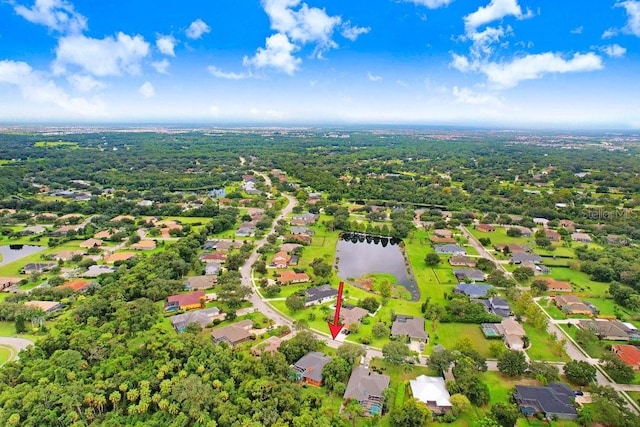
{"x": 335, "y": 327}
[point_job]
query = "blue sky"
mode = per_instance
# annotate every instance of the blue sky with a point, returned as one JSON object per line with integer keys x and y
{"x": 487, "y": 62}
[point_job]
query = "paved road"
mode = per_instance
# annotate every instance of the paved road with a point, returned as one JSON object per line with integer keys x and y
{"x": 481, "y": 250}
{"x": 15, "y": 345}
{"x": 263, "y": 306}
{"x": 575, "y": 352}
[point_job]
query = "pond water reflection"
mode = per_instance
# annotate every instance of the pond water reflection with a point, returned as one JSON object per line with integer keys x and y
{"x": 359, "y": 254}
{"x": 12, "y": 253}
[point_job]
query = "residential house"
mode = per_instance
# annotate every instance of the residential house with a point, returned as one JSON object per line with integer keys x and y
{"x": 304, "y": 219}
{"x": 536, "y": 268}
{"x": 126, "y": 218}
{"x": 270, "y": 345}
{"x": 462, "y": 261}
{"x": 319, "y": 295}
{"x": 309, "y": 368}
{"x": 512, "y": 332}
{"x": 9, "y": 282}
{"x": 287, "y": 277}
{"x": 432, "y": 392}
{"x": 570, "y": 304}
{"x": 233, "y": 334}
{"x": 194, "y": 283}
{"x": 495, "y": 305}
{"x": 301, "y": 230}
{"x": 38, "y": 267}
{"x": 409, "y": 326}
{"x": 443, "y": 232}
{"x": 280, "y": 260}
{"x": 104, "y": 234}
{"x": 188, "y": 301}
{"x": 289, "y": 247}
{"x": 526, "y": 231}
{"x": 552, "y": 235}
{"x": 200, "y": 317}
{"x": 119, "y": 257}
{"x": 436, "y": 240}
{"x": 77, "y": 285}
{"x": 485, "y": 228}
{"x": 212, "y": 268}
{"x": 352, "y": 315}
{"x": 449, "y": 249}
{"x": 512, "y": 248}
{"x": 472, "y": 274}
{"x": 145, "y": 203}
{"x": 629, "y": 354}
{"x": 612, "y": 330}
{"x": 217, "y": 257}
{"x": 557, "y": 285}
{"x": 301, "y": 238}
{"x": 567, "y": 224}
{"x": 472, "y": 290}
{"x": 144, "y": 245}
{"x": 522, "y": 257}
{"x": 98, "y": 270}
{"x": 34, "y": 229}
{"x": 553, "y": 401}
{"x": 368, "y": 389}
{"x": 246, "y": 230}
{"x": 541, "y": 221}
{"x": 65, "y": 255}
{"x": 91, "y": 243}
{"x": 47, "y": 306}
{"x": 218, "y": 192}
{"x": 581, "y": 237}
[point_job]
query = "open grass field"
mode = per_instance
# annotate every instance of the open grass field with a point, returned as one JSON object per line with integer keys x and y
{"x": 581, "y": 282}
{"x": 499, "y": 236}
{"x": 540, "y": 348}
{"x": 5, "y": 354}
{"x": 449, "y": 334}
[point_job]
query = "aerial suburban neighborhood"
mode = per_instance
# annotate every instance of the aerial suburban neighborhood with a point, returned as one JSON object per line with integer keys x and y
{"x": 452, "y": 316}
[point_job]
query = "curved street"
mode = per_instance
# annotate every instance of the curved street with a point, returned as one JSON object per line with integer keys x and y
{"x": 14, "y": 345}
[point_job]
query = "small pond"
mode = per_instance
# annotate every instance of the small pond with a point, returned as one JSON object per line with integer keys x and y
{"x": 12, "y": 253}
{"x": 360, "y": 254}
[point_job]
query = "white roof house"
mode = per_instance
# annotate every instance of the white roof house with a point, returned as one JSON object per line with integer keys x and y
{"x": 432, "y": 392}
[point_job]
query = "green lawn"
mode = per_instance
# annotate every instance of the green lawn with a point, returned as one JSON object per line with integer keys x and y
{"x": 581, "y": 282}
{"x": 595, "y": 350}
{"x": 449, "y": 334}
{"x": 5, "y": 354}
{"x": 499, "y": 236}
{"x": 540, "y": 348}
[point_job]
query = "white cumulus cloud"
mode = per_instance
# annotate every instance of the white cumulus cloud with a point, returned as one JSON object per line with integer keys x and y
{"x": 166, "y": 45}
{"x": 217, "y": 72}
{"x": 632, "y": 7}
{"x": 614, "y": 51}
{"x": 494, "y": 11}
{"x": 38, "y": 89}
{"x": 85, "y": 83}
{"x": 147, "y": 90}
{"x": 374, "y": 78}
{"x": 197, "y": 29}
{"x": 352, "y": 32}
{"x": 467, "y": 96}
{"x": 431, "y": 4}
{"x": 101, "y": 57}
{"x": 58, "y": 15}
{"x": 529, "y": 67}
{"x": 277, "y": 54}
{"x": 161, "y": 66}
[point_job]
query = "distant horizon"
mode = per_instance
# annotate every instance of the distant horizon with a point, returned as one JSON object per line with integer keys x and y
{"x": 541, "y": 64}
{"x": 318, "y": 126}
